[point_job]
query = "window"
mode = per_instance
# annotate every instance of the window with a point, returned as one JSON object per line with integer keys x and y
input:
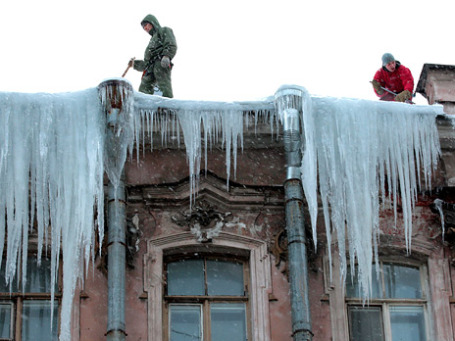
{"x": 206, "y": 298}
{"x": 250, "y": 252}
{"x": 27, "y": 315}
{"x": 396, "y": 309}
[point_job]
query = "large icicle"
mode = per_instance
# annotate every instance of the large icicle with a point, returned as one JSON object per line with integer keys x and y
{"x": 203, "y": 124}
{"x": 215, "y": 126}
{"x": 118, "y": 101}
{"x": 51, "y": 172}
{"x": 360, "y": 148}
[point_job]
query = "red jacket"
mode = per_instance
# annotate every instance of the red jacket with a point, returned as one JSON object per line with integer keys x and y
{"x": 397, "y": 81}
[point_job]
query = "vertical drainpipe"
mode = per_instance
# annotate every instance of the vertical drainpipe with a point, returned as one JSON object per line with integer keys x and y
{"x": 116, "y": 262}
{"x": 113, "y": 92}
{"x": 289, "y": 102}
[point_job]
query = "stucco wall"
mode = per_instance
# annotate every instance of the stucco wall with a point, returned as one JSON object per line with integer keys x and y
{"x": 158, "y": 199}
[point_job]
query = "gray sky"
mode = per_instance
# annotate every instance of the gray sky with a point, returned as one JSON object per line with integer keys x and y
{"x": 227, "y": 50}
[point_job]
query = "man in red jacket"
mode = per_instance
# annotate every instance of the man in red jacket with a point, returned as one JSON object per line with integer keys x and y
{"x": 393, "y": 77}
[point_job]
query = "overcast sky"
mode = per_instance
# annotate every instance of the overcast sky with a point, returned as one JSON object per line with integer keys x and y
{"x": 227, "y": 50}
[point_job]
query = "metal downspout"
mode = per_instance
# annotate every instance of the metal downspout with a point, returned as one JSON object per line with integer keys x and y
{"x": 116, "y": 262}
{"x": 289, "y": 103}
{"x": 113, "y": 91}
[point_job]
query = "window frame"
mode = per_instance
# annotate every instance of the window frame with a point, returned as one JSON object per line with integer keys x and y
{"x": 225, "y": 243}
{"x": 17, "y": 299}
{"x": 386, "y": 303}
{"x": 204, "y": 301}
{"x": 392, "y": 247}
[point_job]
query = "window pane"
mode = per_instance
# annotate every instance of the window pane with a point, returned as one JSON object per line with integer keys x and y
{"x": 36, "y": 321}
{"x": 402, "y": 281}
{"x": 185, "y": 322}
{"x": 408, "y": 323}
{"x": 5, "y": 321}
{"x": 353, "y": 288}
{"x": 228, "y": 321}
{"x": 38, "y": 277}
{"x": 224, "y": 278}
{"x": 186, "y": 277}
{"x": 365, "y": 323}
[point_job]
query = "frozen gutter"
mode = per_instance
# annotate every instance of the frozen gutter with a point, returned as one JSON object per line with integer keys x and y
{"x": 148, "y": 102}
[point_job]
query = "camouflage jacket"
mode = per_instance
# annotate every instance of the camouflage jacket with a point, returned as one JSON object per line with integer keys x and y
{"x": 161, "y": 44}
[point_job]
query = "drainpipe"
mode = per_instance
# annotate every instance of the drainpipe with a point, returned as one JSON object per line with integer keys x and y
{"x": 114, "y": 95}
{"x": 289, "y": 102}
{"x": 116, "y": 262}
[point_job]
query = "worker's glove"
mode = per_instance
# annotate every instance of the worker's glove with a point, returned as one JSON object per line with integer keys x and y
{"x": 377, "y": 87}
{"x": 165, "y": 62}
{"x": 403, "y": 96}
{"x": 131, "y": 62}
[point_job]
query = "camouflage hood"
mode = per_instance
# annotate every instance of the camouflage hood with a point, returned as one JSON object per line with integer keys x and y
{"x": 150, "y": 18}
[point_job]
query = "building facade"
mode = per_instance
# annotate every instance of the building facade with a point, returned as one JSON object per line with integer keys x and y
{"x": 207, "y": 254}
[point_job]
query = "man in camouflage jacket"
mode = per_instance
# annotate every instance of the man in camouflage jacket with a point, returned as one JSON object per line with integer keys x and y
{"x": 157, "y": 63}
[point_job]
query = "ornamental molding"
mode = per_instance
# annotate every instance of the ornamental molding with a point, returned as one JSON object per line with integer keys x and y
{"x": 203, "y": 219}
{"x": 226, "y": 196}
{"x": 228, "y": 243}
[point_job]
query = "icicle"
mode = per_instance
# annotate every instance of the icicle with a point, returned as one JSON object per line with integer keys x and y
{"x": 356, "y": 147}
{"x": 51, "y": 156}
{"x": 214, "y": 122}
{"x": 122, "y": 126}
{"x": 309, "y": 181}
{"x": 229, "y": 124}
{"x": 438, "y": 204}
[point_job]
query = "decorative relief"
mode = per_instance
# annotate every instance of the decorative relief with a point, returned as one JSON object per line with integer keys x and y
{"x": 203, "y": 220}
{"x": 279, "y": 248}
{"x": 133, "y": 235}
{"x": 446, "y": 212}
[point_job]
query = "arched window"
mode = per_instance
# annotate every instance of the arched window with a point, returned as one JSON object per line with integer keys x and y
{"x": 200, "y": 291}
